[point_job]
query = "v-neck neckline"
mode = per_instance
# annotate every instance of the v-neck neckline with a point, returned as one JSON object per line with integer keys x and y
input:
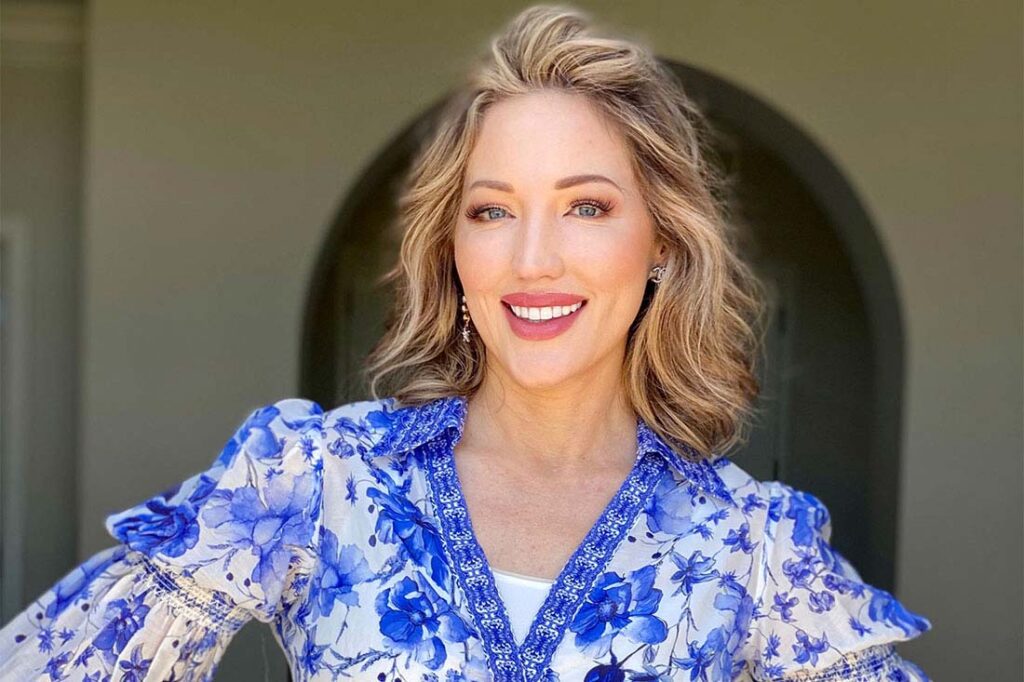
{"x": 509, "y": 661}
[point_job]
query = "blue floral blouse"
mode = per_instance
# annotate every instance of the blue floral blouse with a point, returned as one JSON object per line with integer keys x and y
{"x": 348, "y": 532}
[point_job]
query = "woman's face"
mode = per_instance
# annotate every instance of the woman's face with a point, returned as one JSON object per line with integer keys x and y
{"x": 552, "y": 225}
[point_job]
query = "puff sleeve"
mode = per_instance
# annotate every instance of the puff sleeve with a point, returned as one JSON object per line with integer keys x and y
{"x": 191, "y": 567}
{"x": 815, "y": 619}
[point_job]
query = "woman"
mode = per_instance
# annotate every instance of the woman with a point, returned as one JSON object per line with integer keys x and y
{"x": 541, "y": 496}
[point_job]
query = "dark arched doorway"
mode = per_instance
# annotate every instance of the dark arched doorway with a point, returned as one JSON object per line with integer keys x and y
{"x": 833, "y": 370}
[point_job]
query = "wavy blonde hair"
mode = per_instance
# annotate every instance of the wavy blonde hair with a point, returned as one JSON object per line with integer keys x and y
{"x": 689, "y": 366}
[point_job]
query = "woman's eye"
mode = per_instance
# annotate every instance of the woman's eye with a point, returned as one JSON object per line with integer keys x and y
{"x": 587, "y": 208}
{"x": 591, "y": 208}
{"x": 486, "y": 213}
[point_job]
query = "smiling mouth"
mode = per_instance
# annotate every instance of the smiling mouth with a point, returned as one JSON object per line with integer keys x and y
{"x": 543, "y": 313}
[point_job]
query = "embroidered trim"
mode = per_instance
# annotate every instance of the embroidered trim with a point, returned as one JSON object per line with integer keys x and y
{"x": 700, "y": 472}
{"x": 868, "y": 665}
{"x": 470, "y": 566}
{"x": 587, "y": 562}
{"x": 414, "y": 425}
{"x": 187, "y": 599}
{"x": 469, "y": 563}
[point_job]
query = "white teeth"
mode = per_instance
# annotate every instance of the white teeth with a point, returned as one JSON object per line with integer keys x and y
{"x": 547, "y": 313}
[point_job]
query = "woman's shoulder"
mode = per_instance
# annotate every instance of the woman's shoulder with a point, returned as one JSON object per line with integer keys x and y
{"x": 270, "y": 428}
{"x": 360, "y": 427}
{"x": 209, "y": 529}
{"x": 386, "y": 428}
{"x": 773, "y": 507}
{"x": 364, "y": 416}
{"x": 750, "y": 493}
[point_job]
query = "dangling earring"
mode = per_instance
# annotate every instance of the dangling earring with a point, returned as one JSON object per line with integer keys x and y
{"x": 657, "y": 273}
{"x": 465, "y": 320}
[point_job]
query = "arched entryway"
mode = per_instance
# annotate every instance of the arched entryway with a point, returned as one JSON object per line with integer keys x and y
{"x": 833, "y": 369}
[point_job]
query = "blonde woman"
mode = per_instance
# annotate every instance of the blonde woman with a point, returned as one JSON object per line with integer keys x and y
{"x": 541, "y": 495}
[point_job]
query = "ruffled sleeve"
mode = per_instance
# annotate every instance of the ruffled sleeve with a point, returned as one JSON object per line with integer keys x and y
{"x": 815, "y": 619}
{"x": 192, "y": 566}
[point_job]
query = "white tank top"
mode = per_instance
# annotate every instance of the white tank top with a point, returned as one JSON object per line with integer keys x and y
{"x": 523, "y": 596}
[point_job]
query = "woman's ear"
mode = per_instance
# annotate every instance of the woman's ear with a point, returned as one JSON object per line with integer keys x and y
{"x": 660, "y": 253}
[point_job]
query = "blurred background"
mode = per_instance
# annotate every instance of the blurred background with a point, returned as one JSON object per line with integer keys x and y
{"x": 196, "y": 201}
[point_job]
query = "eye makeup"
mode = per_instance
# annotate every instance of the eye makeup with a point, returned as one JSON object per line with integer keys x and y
{"x": 475, "y": 211}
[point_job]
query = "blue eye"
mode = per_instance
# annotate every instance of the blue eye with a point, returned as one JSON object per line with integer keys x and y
{"x": 589, "y": 208}
{"x": 490, "y": 213}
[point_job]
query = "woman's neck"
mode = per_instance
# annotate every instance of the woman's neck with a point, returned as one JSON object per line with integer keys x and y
{"x": 562, "y": 428}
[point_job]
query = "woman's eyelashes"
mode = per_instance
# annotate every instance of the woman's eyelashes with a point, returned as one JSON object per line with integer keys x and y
{"x": 591, "y": 206}
{"x": 583, "y": 208}
{"x": 475, "y": 213}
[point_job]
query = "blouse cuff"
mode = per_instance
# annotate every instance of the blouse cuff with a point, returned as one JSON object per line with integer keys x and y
{"x": 878, "y": 663}
{"x": 120, "y": 614}
{"x": 212, "y": 610}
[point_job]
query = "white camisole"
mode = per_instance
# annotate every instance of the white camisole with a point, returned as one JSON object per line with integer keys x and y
{"x": 523, "y": 596}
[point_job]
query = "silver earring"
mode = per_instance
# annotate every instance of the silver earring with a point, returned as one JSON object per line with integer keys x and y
{"x": 657, "y": 273}
{"x": 465, "y": 320}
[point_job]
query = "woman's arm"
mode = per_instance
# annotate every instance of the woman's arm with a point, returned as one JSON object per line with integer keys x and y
{"x": 814, "y": 618}
{"x": 194, "y": 564}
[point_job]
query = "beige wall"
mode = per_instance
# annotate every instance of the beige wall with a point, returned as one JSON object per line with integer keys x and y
{"x": 221, "y": 137}
{"x": 40, "y": 201}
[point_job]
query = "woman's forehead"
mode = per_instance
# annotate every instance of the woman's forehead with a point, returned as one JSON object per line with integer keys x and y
{"x": 546, "y": 135}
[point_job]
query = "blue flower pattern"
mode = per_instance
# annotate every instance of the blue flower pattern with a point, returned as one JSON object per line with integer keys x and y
{"x": 414, "y": 618}
{"x": 618, "y": 605}
{"x": 348, "y": 531}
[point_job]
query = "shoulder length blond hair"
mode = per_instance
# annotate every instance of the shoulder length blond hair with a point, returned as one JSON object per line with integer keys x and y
{"x": 689, "y": 368}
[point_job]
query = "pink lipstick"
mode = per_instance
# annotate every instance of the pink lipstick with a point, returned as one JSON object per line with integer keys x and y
{"x": 541, "y": 316}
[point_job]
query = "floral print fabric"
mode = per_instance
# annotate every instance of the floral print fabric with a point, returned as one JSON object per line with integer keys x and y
{"x": 348, "y": 532}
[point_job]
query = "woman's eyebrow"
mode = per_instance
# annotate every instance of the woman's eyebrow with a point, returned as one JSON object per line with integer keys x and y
{"x": 581, "y": 179}
{"x": 570, "y": 181}
{"x": 493, "y": 184}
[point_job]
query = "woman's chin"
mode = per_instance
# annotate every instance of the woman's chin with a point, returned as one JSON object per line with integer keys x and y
{"x": 542, "y": 377}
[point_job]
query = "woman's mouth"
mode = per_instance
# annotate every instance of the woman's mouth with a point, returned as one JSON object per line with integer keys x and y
{"x": 543, "y": 322}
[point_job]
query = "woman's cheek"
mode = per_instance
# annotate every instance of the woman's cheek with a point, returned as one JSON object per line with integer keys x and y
{"x": 610, "y": 260}
{"x": 478, "y": 259}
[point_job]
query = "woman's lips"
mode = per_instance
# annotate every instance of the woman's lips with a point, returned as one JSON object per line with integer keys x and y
{"x": 541, "y": 329}
{"x": 541, "y": 300}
